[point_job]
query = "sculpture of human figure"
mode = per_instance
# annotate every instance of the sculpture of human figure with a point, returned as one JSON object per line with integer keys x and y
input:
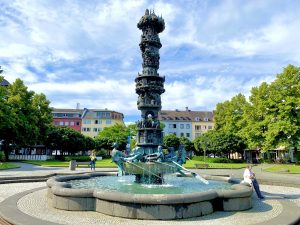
{"x": 181, "y": 155}
{"x": 149, "y": 122}
{"x": 135, "y": 156}
{"x": 171, "y": 156}
{"x": 156, "y": 156}
{"x": 118, "y": 158}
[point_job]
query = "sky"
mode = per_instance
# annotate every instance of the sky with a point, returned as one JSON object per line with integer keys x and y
{"x": 88, "y": 52}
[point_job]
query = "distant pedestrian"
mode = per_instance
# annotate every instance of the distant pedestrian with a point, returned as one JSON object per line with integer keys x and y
{"x": 249, "y": 177}
{"x": 93, "y": 161}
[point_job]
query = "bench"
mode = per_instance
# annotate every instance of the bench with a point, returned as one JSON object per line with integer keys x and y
{"x": 201, "y": 166}
{"x": 83, "y": 163}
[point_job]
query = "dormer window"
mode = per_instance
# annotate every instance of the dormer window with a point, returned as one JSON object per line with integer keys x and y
{"x": 197, "y": 119}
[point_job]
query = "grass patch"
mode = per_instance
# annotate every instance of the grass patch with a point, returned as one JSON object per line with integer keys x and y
{"x": 191, "y": 164}
{"x": 48, "y": 163}
{"x": 107, "y": 163}
{"x": 5, "y": 166}
{"x": 57, "y": 163}
{"x": 284, "y": 168}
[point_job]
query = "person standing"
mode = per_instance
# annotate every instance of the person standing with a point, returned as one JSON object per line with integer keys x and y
{"x": 249, "y": 177}
{"x": 93, "y": 161}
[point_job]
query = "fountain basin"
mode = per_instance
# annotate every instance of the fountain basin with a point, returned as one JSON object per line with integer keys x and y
{"x": 147, "y": 206}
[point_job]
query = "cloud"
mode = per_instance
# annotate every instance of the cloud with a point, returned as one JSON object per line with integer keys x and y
{"x": 88, "y": 52}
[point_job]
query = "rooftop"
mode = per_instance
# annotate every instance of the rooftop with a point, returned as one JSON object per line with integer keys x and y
{"x": 186, "y": 115}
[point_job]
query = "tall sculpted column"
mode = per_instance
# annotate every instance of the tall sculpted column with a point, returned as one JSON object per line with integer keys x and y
{"x": 149, "y": 85}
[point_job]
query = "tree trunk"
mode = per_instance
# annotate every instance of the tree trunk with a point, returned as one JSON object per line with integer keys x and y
{"x": 6, "y": 150}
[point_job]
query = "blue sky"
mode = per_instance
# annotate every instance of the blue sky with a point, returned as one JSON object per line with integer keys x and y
{"x": 87, "y": 52}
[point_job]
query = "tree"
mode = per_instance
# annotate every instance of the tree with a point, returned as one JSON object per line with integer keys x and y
{"x": 206, "y": 142}
{"x": 219, "y": 142}
{"x": 67, "y": 140}
{"x": 256, "y": 117}
{"x": 189, "y": 146}
{"x": 228, "y": 115}
{"x": 117, "y": 133}
{"x": 171, "y": 140}
{"x": 24, "y": 116}
{"x": 271, "y": 119}
{"x": 284, "y": 110}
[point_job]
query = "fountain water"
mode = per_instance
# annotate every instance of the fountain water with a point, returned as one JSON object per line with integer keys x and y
{"x": 148, "y": 164}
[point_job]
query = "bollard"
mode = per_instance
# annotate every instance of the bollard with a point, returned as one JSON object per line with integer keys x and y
{"x": 72, "y": 165}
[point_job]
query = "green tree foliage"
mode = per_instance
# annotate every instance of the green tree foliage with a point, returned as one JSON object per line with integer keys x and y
{"x": 271, "y": 119}
{"x": 284, "y": 110}
{"x": 255, "y": 117}
{"x": 68, "y": 140}
{"x": 206, "y": 142}
{"x": 171, "y": 140}
{"x": 228, "y": 115}
{"x": 219, "y": 143}
{"x": 189, "y": 146}
{"x": 116, "y": 133}
{"x": 24, "y": 118}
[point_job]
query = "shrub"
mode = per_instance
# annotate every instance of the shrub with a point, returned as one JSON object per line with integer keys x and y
{"x": 103, "y": 154}
{"x": 237, "y": 161}
{"x": 220, "y": 160}
{"x": 77, "y": 158}
{"x": 2, "y": 156}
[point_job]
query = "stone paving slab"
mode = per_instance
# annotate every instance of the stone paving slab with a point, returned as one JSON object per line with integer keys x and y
{"x": 280, "y": 207}
{"x": 30, "y": 171}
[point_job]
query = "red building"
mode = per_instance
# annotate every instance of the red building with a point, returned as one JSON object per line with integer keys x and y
{"x": 68, "y": 117}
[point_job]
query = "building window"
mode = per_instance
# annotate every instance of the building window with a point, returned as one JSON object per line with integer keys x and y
{"x": 174, "y": 125}
{"x": 197, "y": 127}
{"x": 170, "y": 125}
{"x": 95, "y": 129}
{"x": 86, "y": 121}
{"x": 197, "y": 119}
{"x": 181, "y": 134}
{"x": 61, "y": 123}
{"x": 108, "y": 121}
{"x": 56, "y": 123}
{"x": 181, "y": 126}
{"x": 187, "y": 126}
{"x": 204, "y": 127}
{"x": 77, "y": 123}
{"x": 197, "y": 134}
{"x": 83, "y": 129}
{"x": 72, "y": 123}
{"x": 209, "y": 127}
{"x": 88, "y": 129}
{"x": 205, "y": 119}
{"x": 98, "y": 121}
{"x": 66, "y": 123}
{"x": 187, "y": 135}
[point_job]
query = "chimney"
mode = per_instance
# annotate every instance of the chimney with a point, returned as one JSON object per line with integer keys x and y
{"x": 78, "y": 106}
{"x": 186, "y": 108}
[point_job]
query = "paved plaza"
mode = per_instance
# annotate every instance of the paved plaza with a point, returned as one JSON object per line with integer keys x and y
{"x": 281, "y": 206}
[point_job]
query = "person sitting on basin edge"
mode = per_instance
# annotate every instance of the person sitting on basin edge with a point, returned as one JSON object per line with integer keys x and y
{"x": 249, "y": 177}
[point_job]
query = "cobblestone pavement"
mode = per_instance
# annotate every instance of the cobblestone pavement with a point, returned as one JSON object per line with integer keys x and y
{"x": 35, "y": 204}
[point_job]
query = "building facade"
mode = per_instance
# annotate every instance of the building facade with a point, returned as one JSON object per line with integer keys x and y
{"x": 187, "y": 123}
{"x": 68, "y": 117}
{"x": 95, "y": 120}
{"x": 87, "y": 121}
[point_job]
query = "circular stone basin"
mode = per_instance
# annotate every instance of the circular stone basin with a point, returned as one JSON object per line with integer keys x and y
{"x": 125, "y": 184}
{"x": 176, "y": 199}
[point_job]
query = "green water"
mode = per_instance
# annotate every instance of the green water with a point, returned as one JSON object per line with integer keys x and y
{"x": 126, "y": 184}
